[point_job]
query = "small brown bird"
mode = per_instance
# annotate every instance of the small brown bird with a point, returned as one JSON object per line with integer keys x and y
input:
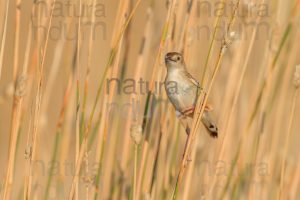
{"x": 183, "y": 91}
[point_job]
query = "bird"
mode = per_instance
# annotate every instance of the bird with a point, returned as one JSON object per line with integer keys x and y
{"x": 183, "y": 91}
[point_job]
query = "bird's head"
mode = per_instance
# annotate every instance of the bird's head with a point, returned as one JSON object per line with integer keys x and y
{"x": 174, "y": 59}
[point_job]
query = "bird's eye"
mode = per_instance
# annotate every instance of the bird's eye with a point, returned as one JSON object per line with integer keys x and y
{"x": 178, "y": 58}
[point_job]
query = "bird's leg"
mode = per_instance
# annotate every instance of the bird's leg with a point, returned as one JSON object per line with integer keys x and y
{"x": 183, "y": 121}
{"x": 208, "y": 107}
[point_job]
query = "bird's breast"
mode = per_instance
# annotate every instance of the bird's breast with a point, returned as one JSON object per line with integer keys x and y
{"x": 181, "y": 92}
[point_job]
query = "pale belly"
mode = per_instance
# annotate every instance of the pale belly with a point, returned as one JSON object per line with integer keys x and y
{"x": 181, "y": 92}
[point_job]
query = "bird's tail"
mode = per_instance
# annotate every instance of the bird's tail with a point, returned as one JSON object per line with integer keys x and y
{"x": 210, "y": 124}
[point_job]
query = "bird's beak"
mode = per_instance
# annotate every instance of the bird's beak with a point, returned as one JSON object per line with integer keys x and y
{"x": 168, "y": 57}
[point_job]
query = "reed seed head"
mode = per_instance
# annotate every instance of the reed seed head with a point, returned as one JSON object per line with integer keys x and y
{"x": 297, "y": 77}
{"x": 136, "y": 133}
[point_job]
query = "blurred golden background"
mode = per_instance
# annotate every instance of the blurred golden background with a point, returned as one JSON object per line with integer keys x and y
{"x": 84, "y": 113}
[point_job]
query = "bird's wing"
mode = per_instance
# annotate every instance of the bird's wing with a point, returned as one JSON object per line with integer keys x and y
{"x": 192, "y": 79}
{"x": 194, "y": 82}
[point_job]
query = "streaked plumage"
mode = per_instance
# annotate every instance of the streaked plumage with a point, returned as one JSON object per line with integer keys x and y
{"x": 183, "y": 90}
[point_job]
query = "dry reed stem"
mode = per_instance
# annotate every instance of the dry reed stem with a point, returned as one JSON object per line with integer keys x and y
{"x": 24, "y": 73}
{"x": 89, "y": 63}
{"x": 111, "y": 72}
{"x": 3, "y": 39}
{"x": 155, "y": 168}
{"x": 151, "y": 88}
{"x": 281, "y": 110}
{"x": 87, "y": 129}
{"x": 100, "y": 148}
{"x": 261, "y": 90}
{"x": 52, "y": 75}
{"x": 59, "y": 132}
{"x": 271, "y": 69}
{"x": 287, "y": 144}
{"x": 195, "y": 126}
{"x": 211, "y": 45}
{"x": 16, "y": 113}
{"x": 163, "y": 39}
{"x": 273, "y": 64}
{"x": 225, "y": 138}
{"x": 86, "y": 84}
{"x": 189, "y": 173}
{"x": 78, "y": 102}
{"x": 142, "y": 166}
{"x": 17, "y": 40}
{"x": 101, "y": 135}
{"x": 140, "y": 63}
{"x": 38, "y": 98}
{"x": 159, "y": 164}
{"x": 135, "y": 197}
{"x": 296, "y": 180}
{"x": 281, "y": 88}
{"x": 200, "y": 108}
{"x": 17, "y": 104}
{"x": 142, "y": 58}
